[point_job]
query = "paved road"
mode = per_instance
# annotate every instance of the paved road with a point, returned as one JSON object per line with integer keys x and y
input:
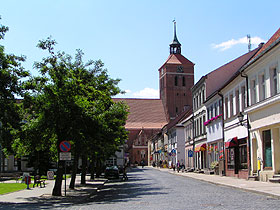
{"x": 152, "y": 189}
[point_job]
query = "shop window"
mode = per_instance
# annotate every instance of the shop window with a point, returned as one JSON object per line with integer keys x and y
{"x": 243, "y": 154}
{"x": 267, "y": 149}
{"x": 230, "y": 158}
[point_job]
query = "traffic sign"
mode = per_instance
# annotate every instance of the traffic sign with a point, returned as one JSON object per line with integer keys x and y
{"x": 65, "y": 156}
{"x": 65, "y": 146}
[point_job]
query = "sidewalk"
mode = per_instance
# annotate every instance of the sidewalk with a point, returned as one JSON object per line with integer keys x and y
{"x": 37, "y": 194}
{"x": 267, "y": 188}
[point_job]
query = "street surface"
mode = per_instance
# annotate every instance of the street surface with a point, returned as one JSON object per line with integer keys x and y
{"x": 153, "y": 189}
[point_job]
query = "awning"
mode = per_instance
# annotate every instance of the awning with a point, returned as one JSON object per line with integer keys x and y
{"x": 201, "y": 147}
{"x": 233, "y": 142}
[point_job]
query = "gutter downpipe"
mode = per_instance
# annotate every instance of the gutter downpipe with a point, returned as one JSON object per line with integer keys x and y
{"x": 223, "y": 133}
{"x": 247, "y": 121}
{"x": 194, "y": 155}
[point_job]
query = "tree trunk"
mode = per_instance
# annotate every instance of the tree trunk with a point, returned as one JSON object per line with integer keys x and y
{"x": 84, "y": 169}
{"x": 74, "y": 171}
{"x": 58, "y": 182}
{"x": 98, "y": 167}
{"x": 92, "y": 168}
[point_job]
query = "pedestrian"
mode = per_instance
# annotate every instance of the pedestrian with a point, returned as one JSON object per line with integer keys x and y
{"x": 178, "y": 166}
{"x": 124, "y": 173}
{"x": 183, "y": 167}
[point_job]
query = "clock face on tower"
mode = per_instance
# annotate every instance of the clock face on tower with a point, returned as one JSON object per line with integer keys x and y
{"x": 180, "y": 69}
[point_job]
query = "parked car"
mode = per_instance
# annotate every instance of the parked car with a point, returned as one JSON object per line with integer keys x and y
{"x": 112, "y": 172}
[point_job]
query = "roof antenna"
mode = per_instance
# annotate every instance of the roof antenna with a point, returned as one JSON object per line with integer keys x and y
{"x": 249, "y": 42}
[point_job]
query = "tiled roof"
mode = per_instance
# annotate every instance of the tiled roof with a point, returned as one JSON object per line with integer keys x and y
{"x": 179, "y": 118}
{"x": 274, "y": 37}
{"x": 177, "y": 59}
{"x": 217, "y": 78}
{"x": 144, "y": 113}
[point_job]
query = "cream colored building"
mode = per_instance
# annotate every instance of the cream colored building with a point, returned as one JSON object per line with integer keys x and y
{"x": 264, "y": 109}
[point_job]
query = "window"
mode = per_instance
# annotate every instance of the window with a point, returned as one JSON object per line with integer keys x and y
{"x": 262, "y": 87}
{"x": 220, "y": 107}
{"x": 203, "y": 95}
{"x": 194, "y": 103}
{"x": 237, "y": 101}
{"x": 253, "y": 92}
{"x": 176, "y": 109}
{"x": 200, "y": 126}
{"x": 204, "y": 130}
{"x": 243, "y": 154}
{"x": 230, "y": 158}
{"x": 226, "y": 107}
{"x": 200, "y": 99}
{"x": 216, "y": 110}
{"x": 267, "y": 148}
{"x": 273, "y": 81}
{"x": 231, "y": 105}
{"x": 176, "y": 81}
{"x": 243, "y": 98}
{"x": 208, "y": 113}
{"x": 183, "y": 81}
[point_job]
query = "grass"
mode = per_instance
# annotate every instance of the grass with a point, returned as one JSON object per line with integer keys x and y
{"x": 11, "y": 187}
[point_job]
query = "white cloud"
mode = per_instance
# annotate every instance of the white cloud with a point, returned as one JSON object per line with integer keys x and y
{"x": 127, "y": 91}
{"x": 230, "y": 43}
{"x": 146, "y": 93}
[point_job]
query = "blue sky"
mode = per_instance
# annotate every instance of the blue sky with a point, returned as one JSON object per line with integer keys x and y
{"x": 132, "y": 37}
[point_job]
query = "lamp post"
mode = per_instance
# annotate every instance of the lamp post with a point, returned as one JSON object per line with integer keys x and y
{"x": 241, "y": 119}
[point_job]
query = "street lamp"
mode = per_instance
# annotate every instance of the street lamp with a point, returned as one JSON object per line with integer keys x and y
{"x": 240, "y": 118}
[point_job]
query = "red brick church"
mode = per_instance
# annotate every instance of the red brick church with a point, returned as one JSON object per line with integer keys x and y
{"x": 147, "y": 116}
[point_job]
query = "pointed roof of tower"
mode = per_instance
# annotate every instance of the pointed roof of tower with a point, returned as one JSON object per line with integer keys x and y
{"x": 177, "y": 59}
{"x": 175, "y": 40}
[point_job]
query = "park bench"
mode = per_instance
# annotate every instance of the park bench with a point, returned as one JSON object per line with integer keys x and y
{"x": 38, "y": 180}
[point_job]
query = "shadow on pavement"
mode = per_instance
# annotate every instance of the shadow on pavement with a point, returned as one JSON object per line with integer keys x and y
{"x": 113, "y": 191}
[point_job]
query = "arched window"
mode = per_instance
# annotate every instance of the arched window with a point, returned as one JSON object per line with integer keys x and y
{"x": 176, "y": 81}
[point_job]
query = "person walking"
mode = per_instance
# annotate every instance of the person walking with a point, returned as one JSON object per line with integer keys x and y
{"x": 124, "y": 173}
{"x": 178, "y": 166}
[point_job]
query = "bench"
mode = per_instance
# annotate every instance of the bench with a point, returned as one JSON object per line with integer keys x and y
{"x": 38, "y": 180}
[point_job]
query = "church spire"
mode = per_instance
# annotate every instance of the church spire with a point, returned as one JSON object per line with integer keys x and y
{"x": 175, "y": 46}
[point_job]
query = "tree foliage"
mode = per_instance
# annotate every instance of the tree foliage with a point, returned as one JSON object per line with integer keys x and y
{"x": 70, "y": 100}
{"x": 11, "y": 75}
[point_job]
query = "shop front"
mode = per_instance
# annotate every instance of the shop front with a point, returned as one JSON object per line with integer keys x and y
{"x": 200, "y": 156}
{"x": 236, "y": 157}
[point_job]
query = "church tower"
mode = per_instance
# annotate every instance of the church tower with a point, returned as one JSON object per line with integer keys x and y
{"x": 176, "y": 77}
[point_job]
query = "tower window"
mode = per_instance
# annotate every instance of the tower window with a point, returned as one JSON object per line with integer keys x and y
{"x": 184, "y": 82}
{"x": 176, "y": 81}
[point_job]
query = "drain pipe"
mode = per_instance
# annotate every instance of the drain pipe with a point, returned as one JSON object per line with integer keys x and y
{"x": 223, "y": 133}
{"x": 247, "y": 121}
{"x": 194, "y": 155}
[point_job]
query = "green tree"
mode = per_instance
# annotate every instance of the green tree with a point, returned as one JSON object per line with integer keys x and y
{"x": 66, "y": 102}
{"x": 11, "y": 75}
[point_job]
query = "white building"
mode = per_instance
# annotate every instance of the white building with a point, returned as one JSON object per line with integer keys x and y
{"x": 263, "y": 110}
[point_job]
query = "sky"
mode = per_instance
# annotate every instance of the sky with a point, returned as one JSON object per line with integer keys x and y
{"x": 132, "y": 37}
